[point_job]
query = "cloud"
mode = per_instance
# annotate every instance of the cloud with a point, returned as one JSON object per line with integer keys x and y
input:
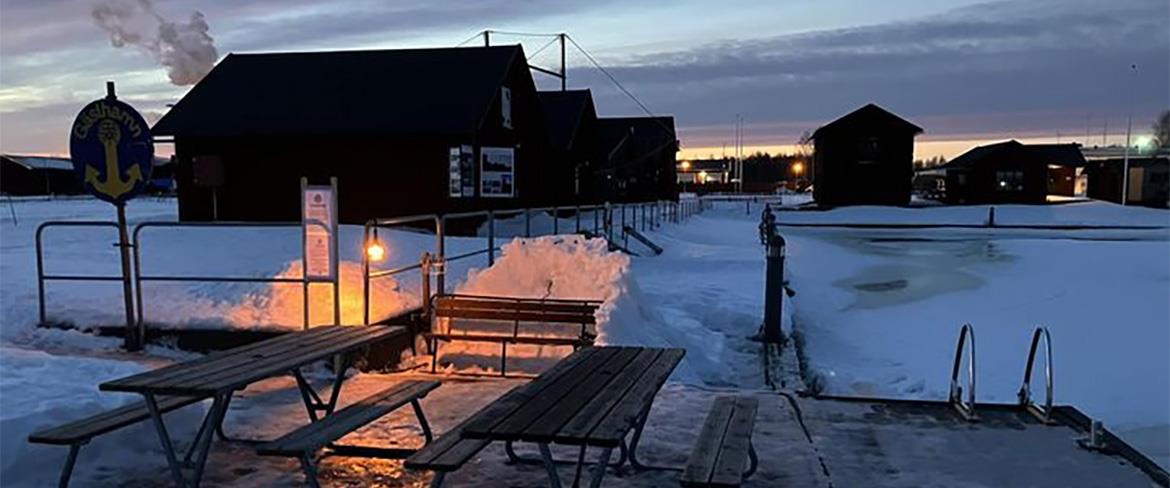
{"x": 185, "y": 48}
{"x": 1053, "y": 61}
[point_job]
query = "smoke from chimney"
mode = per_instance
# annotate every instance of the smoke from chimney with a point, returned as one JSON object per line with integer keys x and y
{"x": 183, "y": 47}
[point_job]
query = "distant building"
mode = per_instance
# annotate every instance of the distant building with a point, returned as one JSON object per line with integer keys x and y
{"x": 864, "y": 158}
{"x": 572, "y": 129}
{"x": 1149, "y": 180}
{"x": 412, "y": 131}
{"x": 38, "y": 175}
{"x": 637, "y": 157}
{"x": 1011, "y": 172}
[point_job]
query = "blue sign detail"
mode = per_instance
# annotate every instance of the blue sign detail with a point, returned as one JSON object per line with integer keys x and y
{"x": 112, "y": 150}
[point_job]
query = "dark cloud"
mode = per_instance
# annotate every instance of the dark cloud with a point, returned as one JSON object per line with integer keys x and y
{"x": 1056, "y": 62}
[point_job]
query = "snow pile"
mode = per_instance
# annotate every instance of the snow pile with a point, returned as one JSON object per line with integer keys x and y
{"x": 566, "y": 267}
{"x": 39, "y": 390}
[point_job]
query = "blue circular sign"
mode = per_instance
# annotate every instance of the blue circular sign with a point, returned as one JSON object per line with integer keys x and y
{"x": 112, "y": 151}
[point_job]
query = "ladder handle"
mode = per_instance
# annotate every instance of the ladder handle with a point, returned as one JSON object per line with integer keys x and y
{"x": 955, "y": 390}
{"x": 1025, "y": 394}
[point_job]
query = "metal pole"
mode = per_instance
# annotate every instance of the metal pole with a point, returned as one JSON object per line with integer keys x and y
{"x": 774, "y": 290}
{"x": 441, "y": 276}
{"x": 304, "y": 257}
{"x": 335, "y": 255}
{"x": 564, "y": 73}
{"x": 1125, "y": 163}
{"x": 578, "y": 216}
{"x": 527, "y": 223}
{"x": 40, "y": 274}
{"x": 366, "y": 274}
{"x": 491, "y": 237}
{"x": 487, "y": 40}
{"x": 133, "y": 341}
{"x": 138, "y": 312}
{"x": 425, "y": 268}
{"x": 556, "y": 221}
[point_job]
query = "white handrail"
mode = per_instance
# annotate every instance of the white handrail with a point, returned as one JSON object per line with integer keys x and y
{"x": 1025, "y": 394}
{"x": 967, "y": 410}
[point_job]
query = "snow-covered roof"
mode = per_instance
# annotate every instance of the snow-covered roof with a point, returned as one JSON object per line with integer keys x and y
{"x": 42, "y": 162}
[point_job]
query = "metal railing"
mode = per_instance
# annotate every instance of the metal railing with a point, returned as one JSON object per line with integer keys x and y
{"x": 139, "y": 277}
{"x": 1025, "y": 394}
{"x": 653, "y": 215}
{"x": 42, "y": 277}
{"x": 967, "y": 410}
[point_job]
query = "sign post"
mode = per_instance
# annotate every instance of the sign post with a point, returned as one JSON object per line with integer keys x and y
{"x": 320, "y": 262}
{"x": 113, "y": 156}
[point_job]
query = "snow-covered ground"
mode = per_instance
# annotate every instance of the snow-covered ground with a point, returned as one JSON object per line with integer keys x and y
{"x": 878, "y": 311}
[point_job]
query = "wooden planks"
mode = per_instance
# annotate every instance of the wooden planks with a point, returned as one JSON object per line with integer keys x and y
{"x": 621, "y": 418}
{"x": 513, "y": 315}
{"x": 233, "y": 371}
{"x": 317, "y": 434}
{"x": 555, "y": 341}
{"x": 108, "y": 421}
{"x": 721, "y": 450}
{"x": 576, "y": 428}
{"x": 702, "y": 460}
{"x": 448, "y": 452}
{"x": 529, "y": 305}
{"x": 543, "y": 428}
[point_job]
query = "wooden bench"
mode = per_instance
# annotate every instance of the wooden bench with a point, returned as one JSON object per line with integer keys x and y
{"x": 304, "y": 442}
{"x": 513, "y": 310}
{"x": 724, "y": 445}
{"x": 79, "y": 432}
{"x": 447, "y": 454}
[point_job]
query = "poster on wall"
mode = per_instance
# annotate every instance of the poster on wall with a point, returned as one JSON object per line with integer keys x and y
{"x": 497, "y": 172}
{"x": 461, "y": 168}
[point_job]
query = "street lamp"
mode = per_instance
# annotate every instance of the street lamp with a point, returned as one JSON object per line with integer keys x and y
{"x": 1125, "y": 160}
{"x": 797, "y": 168}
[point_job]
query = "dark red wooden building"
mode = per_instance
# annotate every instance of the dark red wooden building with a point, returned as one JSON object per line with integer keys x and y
{"x": 866, "y": 157}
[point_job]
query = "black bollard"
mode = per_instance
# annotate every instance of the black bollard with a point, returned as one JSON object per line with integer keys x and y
{"x": 774, "y": 290}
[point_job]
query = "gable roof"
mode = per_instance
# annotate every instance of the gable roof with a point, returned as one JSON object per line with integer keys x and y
{"x": 868, "y": 116}
{"x": 564, "y": 112}
{"x": 406, "y": 91}
{"x": 641, "y": 137}
{"x": 1057, "y": 154}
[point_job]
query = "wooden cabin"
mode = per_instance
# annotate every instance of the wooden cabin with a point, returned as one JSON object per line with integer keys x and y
{"x": 866, "y": 157}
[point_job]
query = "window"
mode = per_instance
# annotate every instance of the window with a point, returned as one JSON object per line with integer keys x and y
{"x": 1009, "y": 181}
{"x": 869, "y": 151}
{"x": 506, "y": 107}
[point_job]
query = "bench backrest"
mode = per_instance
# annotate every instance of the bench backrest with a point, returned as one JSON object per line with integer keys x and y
{"x": 516, "y": 309}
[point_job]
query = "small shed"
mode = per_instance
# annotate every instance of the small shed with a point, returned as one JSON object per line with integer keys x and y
{"x": 1149, "y": 180}
{"x": 866, "y": 157}
{"x": 1011, "y": 172}
{"x": 637, "y": 157}
{"x": 572, "y": 129}
{"x": 38, "y": 175}
{"x": 408, "y": 131}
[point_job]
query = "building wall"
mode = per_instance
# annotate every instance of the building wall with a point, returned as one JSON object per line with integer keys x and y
{"x": 982, "y": 183}
{"x": 849, "y": 170}
{"x": 17, "y": 180}
{"x": 1105, "y": 181}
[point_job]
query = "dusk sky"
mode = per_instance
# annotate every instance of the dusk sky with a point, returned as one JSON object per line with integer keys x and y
{"x": 966, "y": 71}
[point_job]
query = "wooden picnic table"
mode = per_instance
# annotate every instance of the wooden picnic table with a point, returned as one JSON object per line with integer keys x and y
{"x": 593, "y": 398}
{"x": 219, "y": 375}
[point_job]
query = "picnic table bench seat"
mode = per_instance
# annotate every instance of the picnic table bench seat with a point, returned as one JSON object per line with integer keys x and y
{"x": 549, "y": 312}
{"x": 304, "y": 442}
{"x": 446, "y": 454}
{"x": 79, "y": 432}
{"x": 724, "y": 446}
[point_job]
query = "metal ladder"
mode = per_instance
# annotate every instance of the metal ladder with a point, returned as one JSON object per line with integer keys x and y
{"x": 965, "y": 409}
{"x": 1025, "y": 395}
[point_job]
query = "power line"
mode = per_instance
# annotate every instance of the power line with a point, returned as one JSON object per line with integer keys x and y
{"x": 520, "y": 34}
{"x": 469, "y": 39}
{"x": 538, "y": 51}
{"x": 610, "y": 76}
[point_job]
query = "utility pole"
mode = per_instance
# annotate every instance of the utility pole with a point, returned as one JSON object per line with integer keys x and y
{"x": 1125, "y": 160}
{"x": 486, "y": 38}
{"x": 564, "y": 75}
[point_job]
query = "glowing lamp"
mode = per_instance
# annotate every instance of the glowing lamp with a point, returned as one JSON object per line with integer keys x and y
{"x": 686, "y": 165}
{"x": 797, "y": 168}
{"x": 374, "y": 249}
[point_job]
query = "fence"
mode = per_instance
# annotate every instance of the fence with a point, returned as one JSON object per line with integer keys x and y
{"x": 599, "y": 223}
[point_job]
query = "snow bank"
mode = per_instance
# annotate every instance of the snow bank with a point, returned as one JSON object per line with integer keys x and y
{"x": 1094, "y": 213}
{"x": 39, "y": 390}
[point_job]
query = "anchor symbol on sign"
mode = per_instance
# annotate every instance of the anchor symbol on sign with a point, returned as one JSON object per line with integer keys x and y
{"x": 109, "y": 134}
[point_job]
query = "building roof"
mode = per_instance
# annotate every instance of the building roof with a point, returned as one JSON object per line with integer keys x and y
{"x": 41, "y": 162}
{"x": 563, "y": 113}
{"x": 867, "y": 116}
{"x": 640, "y": 136}
{"x": 407, "y": 91}
{"x": 1057, "y": 154}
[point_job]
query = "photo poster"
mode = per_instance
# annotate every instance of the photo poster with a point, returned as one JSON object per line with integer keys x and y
{"x": 318, "y": 209}
{"x": 461, "y": 166}
{"x": 497, "y": 172}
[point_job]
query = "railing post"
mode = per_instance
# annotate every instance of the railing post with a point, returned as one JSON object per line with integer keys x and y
{"x": 136, "y": 243}
{"x": 40, "y": 273}
{"x": 366, "y": 273}
{"x": 556, "y": 221}
{"x": 578, "y": 217}
{"x": 527, "y": 223}
{"x": 425, "y": 268}
{"x": 491, "y": 237}
{"x": 441, "y": 259}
